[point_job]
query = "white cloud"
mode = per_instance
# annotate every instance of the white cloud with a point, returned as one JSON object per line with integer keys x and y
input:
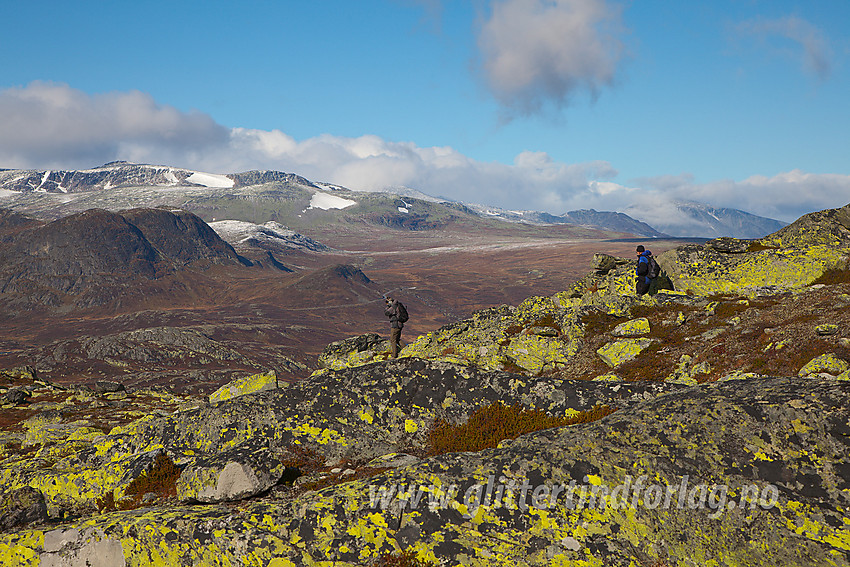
{"x": 811, "y": 44}
{"x": 537, "y": 54}
{"x": 785, "y": 196}
{"x": 47, "y": 124}
{"x": 54, "y": 126}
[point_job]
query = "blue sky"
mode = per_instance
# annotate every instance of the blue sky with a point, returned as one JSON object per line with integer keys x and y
{"x": 527, "y": 104}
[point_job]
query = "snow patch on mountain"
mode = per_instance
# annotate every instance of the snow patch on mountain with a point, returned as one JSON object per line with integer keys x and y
{"x": 241, "y": 233}
{"x": 327, "y": 201}
{"x": 210, "y": 180}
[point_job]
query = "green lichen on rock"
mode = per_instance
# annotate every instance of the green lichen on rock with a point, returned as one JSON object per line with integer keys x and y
{"x": 705, "y": 271}
{"x": 632, "y": 328}
{"x": 231, "y": 449}
{"x": 827, "y": 329}
{"x": 617, "y": 352}
{"x": 825, "y": 364}
{"x": 830, "y": 227}
{"x": 534, "y": 337}
{"x": 254, "y": 383}
{"x": 593, "y": 494}
{"x": 687, "y": 371}
{"x": 354, "y": 351}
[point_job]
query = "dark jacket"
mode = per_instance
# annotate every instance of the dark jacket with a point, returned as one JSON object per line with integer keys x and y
{"x": 392, "y": 312}
{"x": 643, "y": 266}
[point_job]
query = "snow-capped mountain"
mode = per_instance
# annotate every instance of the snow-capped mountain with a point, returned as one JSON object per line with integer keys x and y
{"x": 678, "y": 218}
{"x": 607, "y": 220}
{"x": 125, "y": 174}
{"x": 260, "y": 195}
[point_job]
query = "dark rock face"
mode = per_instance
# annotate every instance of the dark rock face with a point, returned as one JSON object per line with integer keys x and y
{"x": 255, "y": 177}
{"x": 407, "y": 221}
{"x": 16, "y": 396}
{"x": 45, "y": 262}
{"x": 368, "y": 343}
{"x": 21, "y": 507}
{"x": 180, "y": 236}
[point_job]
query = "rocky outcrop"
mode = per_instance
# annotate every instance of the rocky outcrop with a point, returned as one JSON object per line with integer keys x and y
{"x": 355, "y": 414}
{"x": 792, "y": 257}
{"x": 21, "y": 507}
{"x": 255, "y": 383}
{"x": 354, "y": 351}
{"x": 721, "y": 473}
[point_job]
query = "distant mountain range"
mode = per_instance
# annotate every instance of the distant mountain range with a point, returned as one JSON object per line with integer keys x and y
{"x": 679, "y": 218}
{"x": 293, "y": 202}
{"x": 588, "y": 217}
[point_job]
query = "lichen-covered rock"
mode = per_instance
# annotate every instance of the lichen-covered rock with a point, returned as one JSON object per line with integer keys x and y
{"x": 357, "y": 414}
{"x": 792, "y": 257}
{"x": 254, "y": 383}
{"x": 632, "y": 328}
{"x": 247, "y": 470}
{"x": 830, "y": 227}
{"x": 612, "y": 276}
{"x": 729, "y": 245}
{"x": 354, "y": 351}
{"x": 825, "y": 364}
{"x": 617, "y": 352}
{"x": 393, "y": 461}
{"x": 738, "y": 473}
{"x": 686, "y": 371}
{"x": 21, "y": 507}
{"x": 706, "y": 271}
{"x": 826, "y": 329}
{"x": 15, "y": 396}
{"x": 535, "y": 337}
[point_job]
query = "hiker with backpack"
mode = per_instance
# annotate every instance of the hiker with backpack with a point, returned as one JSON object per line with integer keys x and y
{"x": 647, "y": 270}
{"x": 398, "y": 317}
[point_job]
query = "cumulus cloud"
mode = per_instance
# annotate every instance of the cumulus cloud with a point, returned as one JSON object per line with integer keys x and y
{"x": 48, "y": 126}
{"x": 537, "y": 54}
{"x": 811, "y": 46}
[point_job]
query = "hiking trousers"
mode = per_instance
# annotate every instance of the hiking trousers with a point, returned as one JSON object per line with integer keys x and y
{"x": 395, "y": 339}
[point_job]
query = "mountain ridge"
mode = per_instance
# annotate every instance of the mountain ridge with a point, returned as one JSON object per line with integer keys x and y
{"x": 199, "y": 190}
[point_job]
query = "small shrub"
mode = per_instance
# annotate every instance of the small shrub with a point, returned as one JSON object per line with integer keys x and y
{"x": 729, "y": 309}
{"x": 489, "y": 425}
{"x": 835, "y": 275}
{"x": 514, "y": 330}
{"x": 598, "y": 322}
{"x": 106, "y": 503}
{"x": 404, "y": 559}
{"x": 161, "y": 480}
